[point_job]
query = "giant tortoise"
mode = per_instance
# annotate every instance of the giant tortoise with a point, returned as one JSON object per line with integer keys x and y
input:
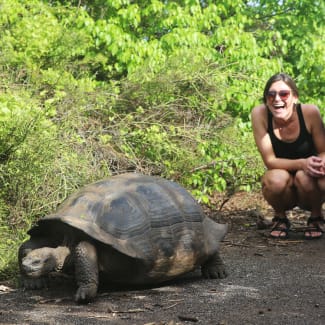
{"x": 130, "y": 229}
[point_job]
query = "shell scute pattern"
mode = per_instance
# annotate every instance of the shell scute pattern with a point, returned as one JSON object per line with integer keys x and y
{"x": 123, "y": 218}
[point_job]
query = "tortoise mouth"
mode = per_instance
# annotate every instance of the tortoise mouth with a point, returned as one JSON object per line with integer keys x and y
{"x": 33, "y": 273}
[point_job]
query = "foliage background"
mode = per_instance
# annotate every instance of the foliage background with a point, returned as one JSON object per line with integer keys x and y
{"x": 93, "y": 88}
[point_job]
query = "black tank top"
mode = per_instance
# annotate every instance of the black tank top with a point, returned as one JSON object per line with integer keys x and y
{"x": 302, "y": 147}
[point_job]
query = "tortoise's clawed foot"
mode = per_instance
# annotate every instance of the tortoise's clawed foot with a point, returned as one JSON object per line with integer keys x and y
{"x": 214, "y": 268}
{"x": 214, "y": 272}
{"x": 85, "y": 293}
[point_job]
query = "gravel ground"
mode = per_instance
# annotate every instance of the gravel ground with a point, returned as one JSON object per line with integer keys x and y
{"x": 270, "y": 282}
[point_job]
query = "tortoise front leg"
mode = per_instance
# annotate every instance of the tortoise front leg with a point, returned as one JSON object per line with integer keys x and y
{"x": 86, "y": 271}
{"x": 214, "y": 268}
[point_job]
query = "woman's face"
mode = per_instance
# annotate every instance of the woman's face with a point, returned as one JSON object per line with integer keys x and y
{"x": 280, "y": 100}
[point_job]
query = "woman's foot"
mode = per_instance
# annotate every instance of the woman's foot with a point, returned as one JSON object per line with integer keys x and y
{"x": 280, "y": 228}
{"x": 316, "y": 228}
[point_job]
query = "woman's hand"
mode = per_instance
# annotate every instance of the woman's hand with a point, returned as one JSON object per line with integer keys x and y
{"x": 315, "y": 166}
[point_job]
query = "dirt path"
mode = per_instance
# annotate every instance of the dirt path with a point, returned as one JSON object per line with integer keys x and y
{"x": 270, "y": 282}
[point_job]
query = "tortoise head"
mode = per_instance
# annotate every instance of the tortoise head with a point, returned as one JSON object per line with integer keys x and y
{"x": 41, "y": 261}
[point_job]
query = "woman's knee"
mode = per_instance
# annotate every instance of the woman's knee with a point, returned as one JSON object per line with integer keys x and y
{"x": 305, "y": 183}
{"x": 276, "y": 180}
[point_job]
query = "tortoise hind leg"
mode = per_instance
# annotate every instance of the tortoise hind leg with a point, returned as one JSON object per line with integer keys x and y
{"x": 214, "y": 268}
{"x": 86, "y": 271}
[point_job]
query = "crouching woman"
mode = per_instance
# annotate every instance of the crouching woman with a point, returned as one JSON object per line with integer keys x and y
{"x": 290, "y": 137}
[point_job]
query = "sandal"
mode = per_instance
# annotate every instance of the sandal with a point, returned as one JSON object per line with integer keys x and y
{"x": 282, "y": 225}
{"x": 315, "y": 224}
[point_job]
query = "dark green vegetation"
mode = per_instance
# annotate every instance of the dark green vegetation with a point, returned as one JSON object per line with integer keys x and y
{"x": 93, "y": 88}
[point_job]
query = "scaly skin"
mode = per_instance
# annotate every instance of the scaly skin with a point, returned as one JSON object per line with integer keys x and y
{"x": 86, "y": 271}
{"x": 214, "y": 268}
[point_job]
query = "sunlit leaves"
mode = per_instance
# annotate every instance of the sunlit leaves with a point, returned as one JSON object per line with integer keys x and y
{"x": 188, "y": 63}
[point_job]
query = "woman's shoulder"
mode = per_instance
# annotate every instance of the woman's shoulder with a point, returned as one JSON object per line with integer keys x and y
{"x": 312, "y": 116}
{"x": 259, "y": 110}
{"x": 309, "y": 108}
{"x": 259, "y": 116}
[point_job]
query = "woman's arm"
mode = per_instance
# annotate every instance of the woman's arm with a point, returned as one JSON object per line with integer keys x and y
{"x": 315, "y": 125}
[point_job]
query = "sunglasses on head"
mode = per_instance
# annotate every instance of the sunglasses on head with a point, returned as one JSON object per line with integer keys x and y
{"x": 283, "y": 94}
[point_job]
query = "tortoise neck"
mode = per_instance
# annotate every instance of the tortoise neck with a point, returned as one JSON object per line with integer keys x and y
{"x": 61, "y": 254}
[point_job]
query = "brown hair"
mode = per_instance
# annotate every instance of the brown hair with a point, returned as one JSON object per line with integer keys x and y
{"x": 280, "y": 77}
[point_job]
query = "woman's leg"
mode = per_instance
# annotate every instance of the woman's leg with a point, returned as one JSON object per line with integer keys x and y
{"x": 279, "y": 191}
{"x": 311, "y": 194}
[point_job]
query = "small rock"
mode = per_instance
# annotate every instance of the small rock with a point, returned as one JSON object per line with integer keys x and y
{"x": 4, "y": 288}
{"x": 188, "y": 318}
